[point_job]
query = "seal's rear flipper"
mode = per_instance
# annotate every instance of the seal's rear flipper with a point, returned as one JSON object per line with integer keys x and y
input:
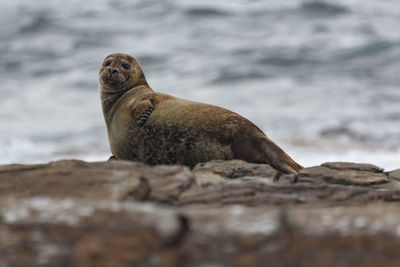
{"x": 279, "y": 160}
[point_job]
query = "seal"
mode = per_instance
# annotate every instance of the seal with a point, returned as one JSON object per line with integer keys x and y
{"x": 156, "y": 128}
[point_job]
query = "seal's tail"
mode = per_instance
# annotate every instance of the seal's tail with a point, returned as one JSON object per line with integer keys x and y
{"x": 278, "y": 159}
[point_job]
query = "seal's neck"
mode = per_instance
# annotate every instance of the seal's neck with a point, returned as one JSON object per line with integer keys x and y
{"x": 138, "y": 91}
{"x": 109, "y": 97}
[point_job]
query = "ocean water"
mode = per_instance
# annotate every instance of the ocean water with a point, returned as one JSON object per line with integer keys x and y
{"x": 321, "y": 78}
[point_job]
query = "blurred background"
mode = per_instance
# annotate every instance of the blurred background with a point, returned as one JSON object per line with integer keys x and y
{"x": 321, "y": 78}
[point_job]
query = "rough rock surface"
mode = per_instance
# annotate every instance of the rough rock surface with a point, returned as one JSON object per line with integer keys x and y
{"x": 221, "y": 213}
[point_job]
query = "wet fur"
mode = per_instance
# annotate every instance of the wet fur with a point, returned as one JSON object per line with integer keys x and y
{"x": 178, "y": 131}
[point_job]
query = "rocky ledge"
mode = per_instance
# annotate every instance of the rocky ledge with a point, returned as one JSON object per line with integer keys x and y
{"x": 221, "y": 213}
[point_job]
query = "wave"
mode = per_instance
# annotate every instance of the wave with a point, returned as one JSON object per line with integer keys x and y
{"x": 226, "y": 75}
{"x": 344, "y": 131}
{"x": 323, "y": 9}
{"x": 206, "y": 12}
{"x": 284, "y": 61}
{"x": 369, "y": 49}
{"x": 34, "y": 21}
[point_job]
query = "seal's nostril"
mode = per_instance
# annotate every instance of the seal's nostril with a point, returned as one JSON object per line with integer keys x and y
{"x": 112, "y": 71}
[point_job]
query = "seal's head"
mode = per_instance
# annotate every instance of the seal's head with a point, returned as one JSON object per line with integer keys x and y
{"x": 120, "y": 71}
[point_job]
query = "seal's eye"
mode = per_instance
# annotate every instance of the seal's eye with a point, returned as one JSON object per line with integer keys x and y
{"x": 125, "y": 65}
{"x": 107, "y": 63}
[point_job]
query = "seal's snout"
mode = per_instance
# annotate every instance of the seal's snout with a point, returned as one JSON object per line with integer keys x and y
{"x": 112, "y": 71}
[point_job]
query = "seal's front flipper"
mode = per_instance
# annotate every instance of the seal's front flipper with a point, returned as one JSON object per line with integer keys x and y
{"x": 141, "y": 111}
{"x": 144, "y": 116}
{"x": 112, "y": 158}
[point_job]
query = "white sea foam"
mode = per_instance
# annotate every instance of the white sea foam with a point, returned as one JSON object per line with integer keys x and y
{"x": 326, "y": 73}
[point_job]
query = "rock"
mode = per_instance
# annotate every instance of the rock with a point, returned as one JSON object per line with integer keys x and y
{"x": 42, "y": 231}
{"x": 120, "y": 213}
{"x": 339, "y": 174}
{"x": 162, "y": 184}
{"x": 17, "y": 168}
{"x": 352, "y": 166}
{"x": 235, "y": 169}
{"x": 101, "y": 180}
{"x": 395, "y": 175}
